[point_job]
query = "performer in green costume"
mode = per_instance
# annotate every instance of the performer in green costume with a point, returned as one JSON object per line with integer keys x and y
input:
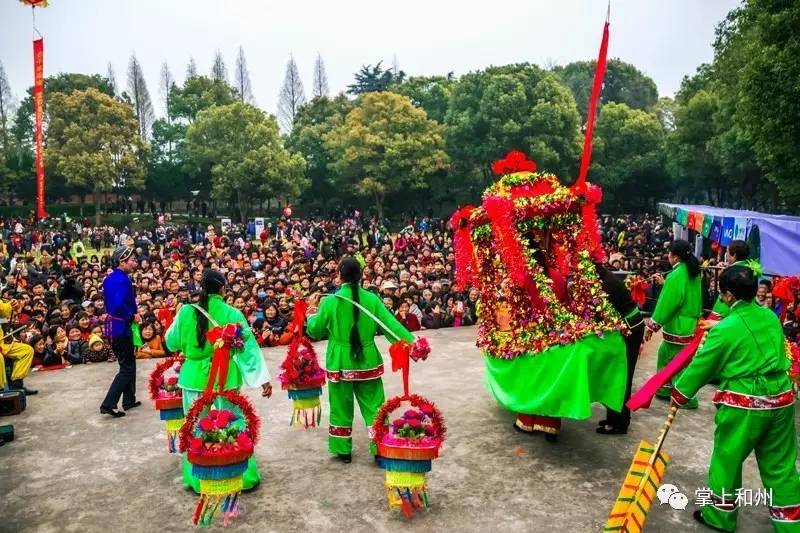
{"x": 187, "y": 335}
{"x": 353, "y": 362}
{"x": 755, "y": 402}
{"x": 737, "y": 253}
{"x": 679, "y": 307}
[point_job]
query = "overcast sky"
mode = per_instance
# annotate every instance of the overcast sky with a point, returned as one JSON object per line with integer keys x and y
{"x": 666, "y": 39}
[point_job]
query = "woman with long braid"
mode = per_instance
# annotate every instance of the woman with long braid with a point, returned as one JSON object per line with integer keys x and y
{"x": 352, "y": 360}
{"x": 187, "y": 335}
{"x": 679, "y": 307}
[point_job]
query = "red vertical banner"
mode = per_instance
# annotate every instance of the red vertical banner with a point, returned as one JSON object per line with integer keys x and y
{"x": 599, "y": 74}
{"x": 38, "y": 103}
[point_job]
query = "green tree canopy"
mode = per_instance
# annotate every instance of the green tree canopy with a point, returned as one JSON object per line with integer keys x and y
{"x": 623, "y": 83}
{"x": 93, "y": 141}
{"x": 386, "y": 145}
{"x": 431, "y": 93}
{"x": 515, "y": 107}
{"x": 196, "y": 94}
{"x": 313, "y": 122}
{"x": 246, "y": 155}
{"x": 628, "y": 157}
{"x": 374, "y": 79}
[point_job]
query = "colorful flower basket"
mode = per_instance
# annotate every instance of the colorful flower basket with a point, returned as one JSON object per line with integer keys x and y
{"x": 167, "y": 397}
{"x": 218, "y": 446}
{"x": 407, "y": 445}
{"x": 303, "y": 378}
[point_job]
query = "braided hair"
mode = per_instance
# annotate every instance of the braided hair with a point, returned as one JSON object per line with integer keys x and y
{"x": 212, "y": 283}
{"x": 350, "y": 272}
{"x": 683, "y": 251}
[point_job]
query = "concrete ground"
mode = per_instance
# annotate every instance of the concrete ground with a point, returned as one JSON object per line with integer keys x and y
{"x": 71, "y": 469}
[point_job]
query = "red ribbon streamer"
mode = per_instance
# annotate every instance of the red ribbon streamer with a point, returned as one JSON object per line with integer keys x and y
{"x": 642, "y": 398}
{"x": 400, "y": 352}
{"x": 221, "y": 358}
{"x": 599, "y": 74}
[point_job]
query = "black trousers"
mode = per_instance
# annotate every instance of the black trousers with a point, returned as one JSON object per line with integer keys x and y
{"x": 633, "y": 343}
{"x": 124, "y": 383}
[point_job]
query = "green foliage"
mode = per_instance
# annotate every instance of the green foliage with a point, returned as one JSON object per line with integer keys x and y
{"x": 245, "y": 153}
{"x": 386, "y": 145}
{"x": 624, "y": 84}
{"x": 628, "y": 156}
{"x": 431, "y": 93}
{"x": 93, "y": 141}
{"x": 198, "y": 93}
{"x": 313, "y": 122}
{"x": 512, "y": 107}
{"x": 374, "y": 79}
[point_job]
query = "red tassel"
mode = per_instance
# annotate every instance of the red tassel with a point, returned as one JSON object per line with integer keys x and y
{"x": 462, "y": 244}
{"x": 407, "y": 510}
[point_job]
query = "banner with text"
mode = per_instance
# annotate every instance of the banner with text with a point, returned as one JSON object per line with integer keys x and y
{"x": 38, "y": 103}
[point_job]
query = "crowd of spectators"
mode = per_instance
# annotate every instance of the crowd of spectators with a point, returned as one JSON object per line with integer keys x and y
{"x": 57, "y": 271}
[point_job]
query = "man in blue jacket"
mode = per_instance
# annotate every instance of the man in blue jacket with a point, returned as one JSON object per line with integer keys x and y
{"x": 120, "y": 302}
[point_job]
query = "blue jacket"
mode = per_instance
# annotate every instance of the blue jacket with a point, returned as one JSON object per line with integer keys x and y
{"x": 120, "y": 300}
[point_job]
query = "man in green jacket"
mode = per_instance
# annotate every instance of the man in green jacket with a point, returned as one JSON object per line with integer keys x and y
{"x": 679, "y": 307}
{"x": 247, "y": 366}
{"x": 353, "y": 363}
{"x": 755, "y": 406}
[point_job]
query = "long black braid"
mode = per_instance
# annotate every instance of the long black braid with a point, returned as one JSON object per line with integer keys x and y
{"x": 212, "y": 283}
{"x": 350, "y": 272}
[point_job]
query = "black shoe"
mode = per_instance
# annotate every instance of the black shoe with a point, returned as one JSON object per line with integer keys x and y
{"x": 603, "y": 422}
{"x": 346, "y": 458}
{"x": 608, "y": 429}
{"x": 137, "y": 403}
{"x": 551, "y": 437}
{"x": 110, "y": 411}
{"x": 698, "y": 516}
{"x": 17, "y": 384}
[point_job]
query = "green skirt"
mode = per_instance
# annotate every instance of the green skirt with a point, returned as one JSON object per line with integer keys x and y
{"x": 251, "y": 476}
{"x": 562, "y": 381}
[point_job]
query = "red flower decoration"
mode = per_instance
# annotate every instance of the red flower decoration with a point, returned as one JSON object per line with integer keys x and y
{"x": 196, "y": 445}
{"x": 172, "y": 381}
{"x": 515, "y": 161}
{"x": 244, "y": 441}
{"x": 207, "y": 424}
{"x": 212, "y": 414}
{"x": 593, "y": 194}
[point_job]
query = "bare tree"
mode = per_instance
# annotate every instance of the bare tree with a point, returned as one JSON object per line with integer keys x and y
{"x": 165, "y": 83}
{"x": 140, "y": 97}
{"x": 112, "y": 79}
{"x": 320, "y": 78}
{"x": 191, "y": 69}
{"x": 242, "y": 79}
{"x": 218, "y": 70}
{"x": 291, "y": 96}
{"x": 395, "y": 66}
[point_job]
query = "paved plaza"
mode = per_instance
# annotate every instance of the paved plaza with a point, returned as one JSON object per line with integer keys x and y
{"x": 71, "y": 469}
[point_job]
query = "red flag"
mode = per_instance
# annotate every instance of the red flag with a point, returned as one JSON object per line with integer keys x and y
{"x": 38, "y": 102}
{"x": 599, "y": 74}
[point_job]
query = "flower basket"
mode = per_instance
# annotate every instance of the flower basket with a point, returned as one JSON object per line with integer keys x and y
{"x": 167, "y": 397}
{"x": 407, "y": 445}
{"x": 219, "y": 445}
{"x": 303, "y": 379}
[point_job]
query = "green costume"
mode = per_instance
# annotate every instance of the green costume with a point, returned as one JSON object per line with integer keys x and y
{"x": 562, "y": 381}
{"x": 679, "y": 307}
{"x": 756, "y": 412}
{"x": 350, "y": 377}
{"x": 247, "y": 366}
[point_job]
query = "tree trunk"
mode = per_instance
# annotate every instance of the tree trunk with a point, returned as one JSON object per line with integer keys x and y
{"x": 97, "y": 204}
{"x": 242, "y": 201}
{"x": 379, "y": 206}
